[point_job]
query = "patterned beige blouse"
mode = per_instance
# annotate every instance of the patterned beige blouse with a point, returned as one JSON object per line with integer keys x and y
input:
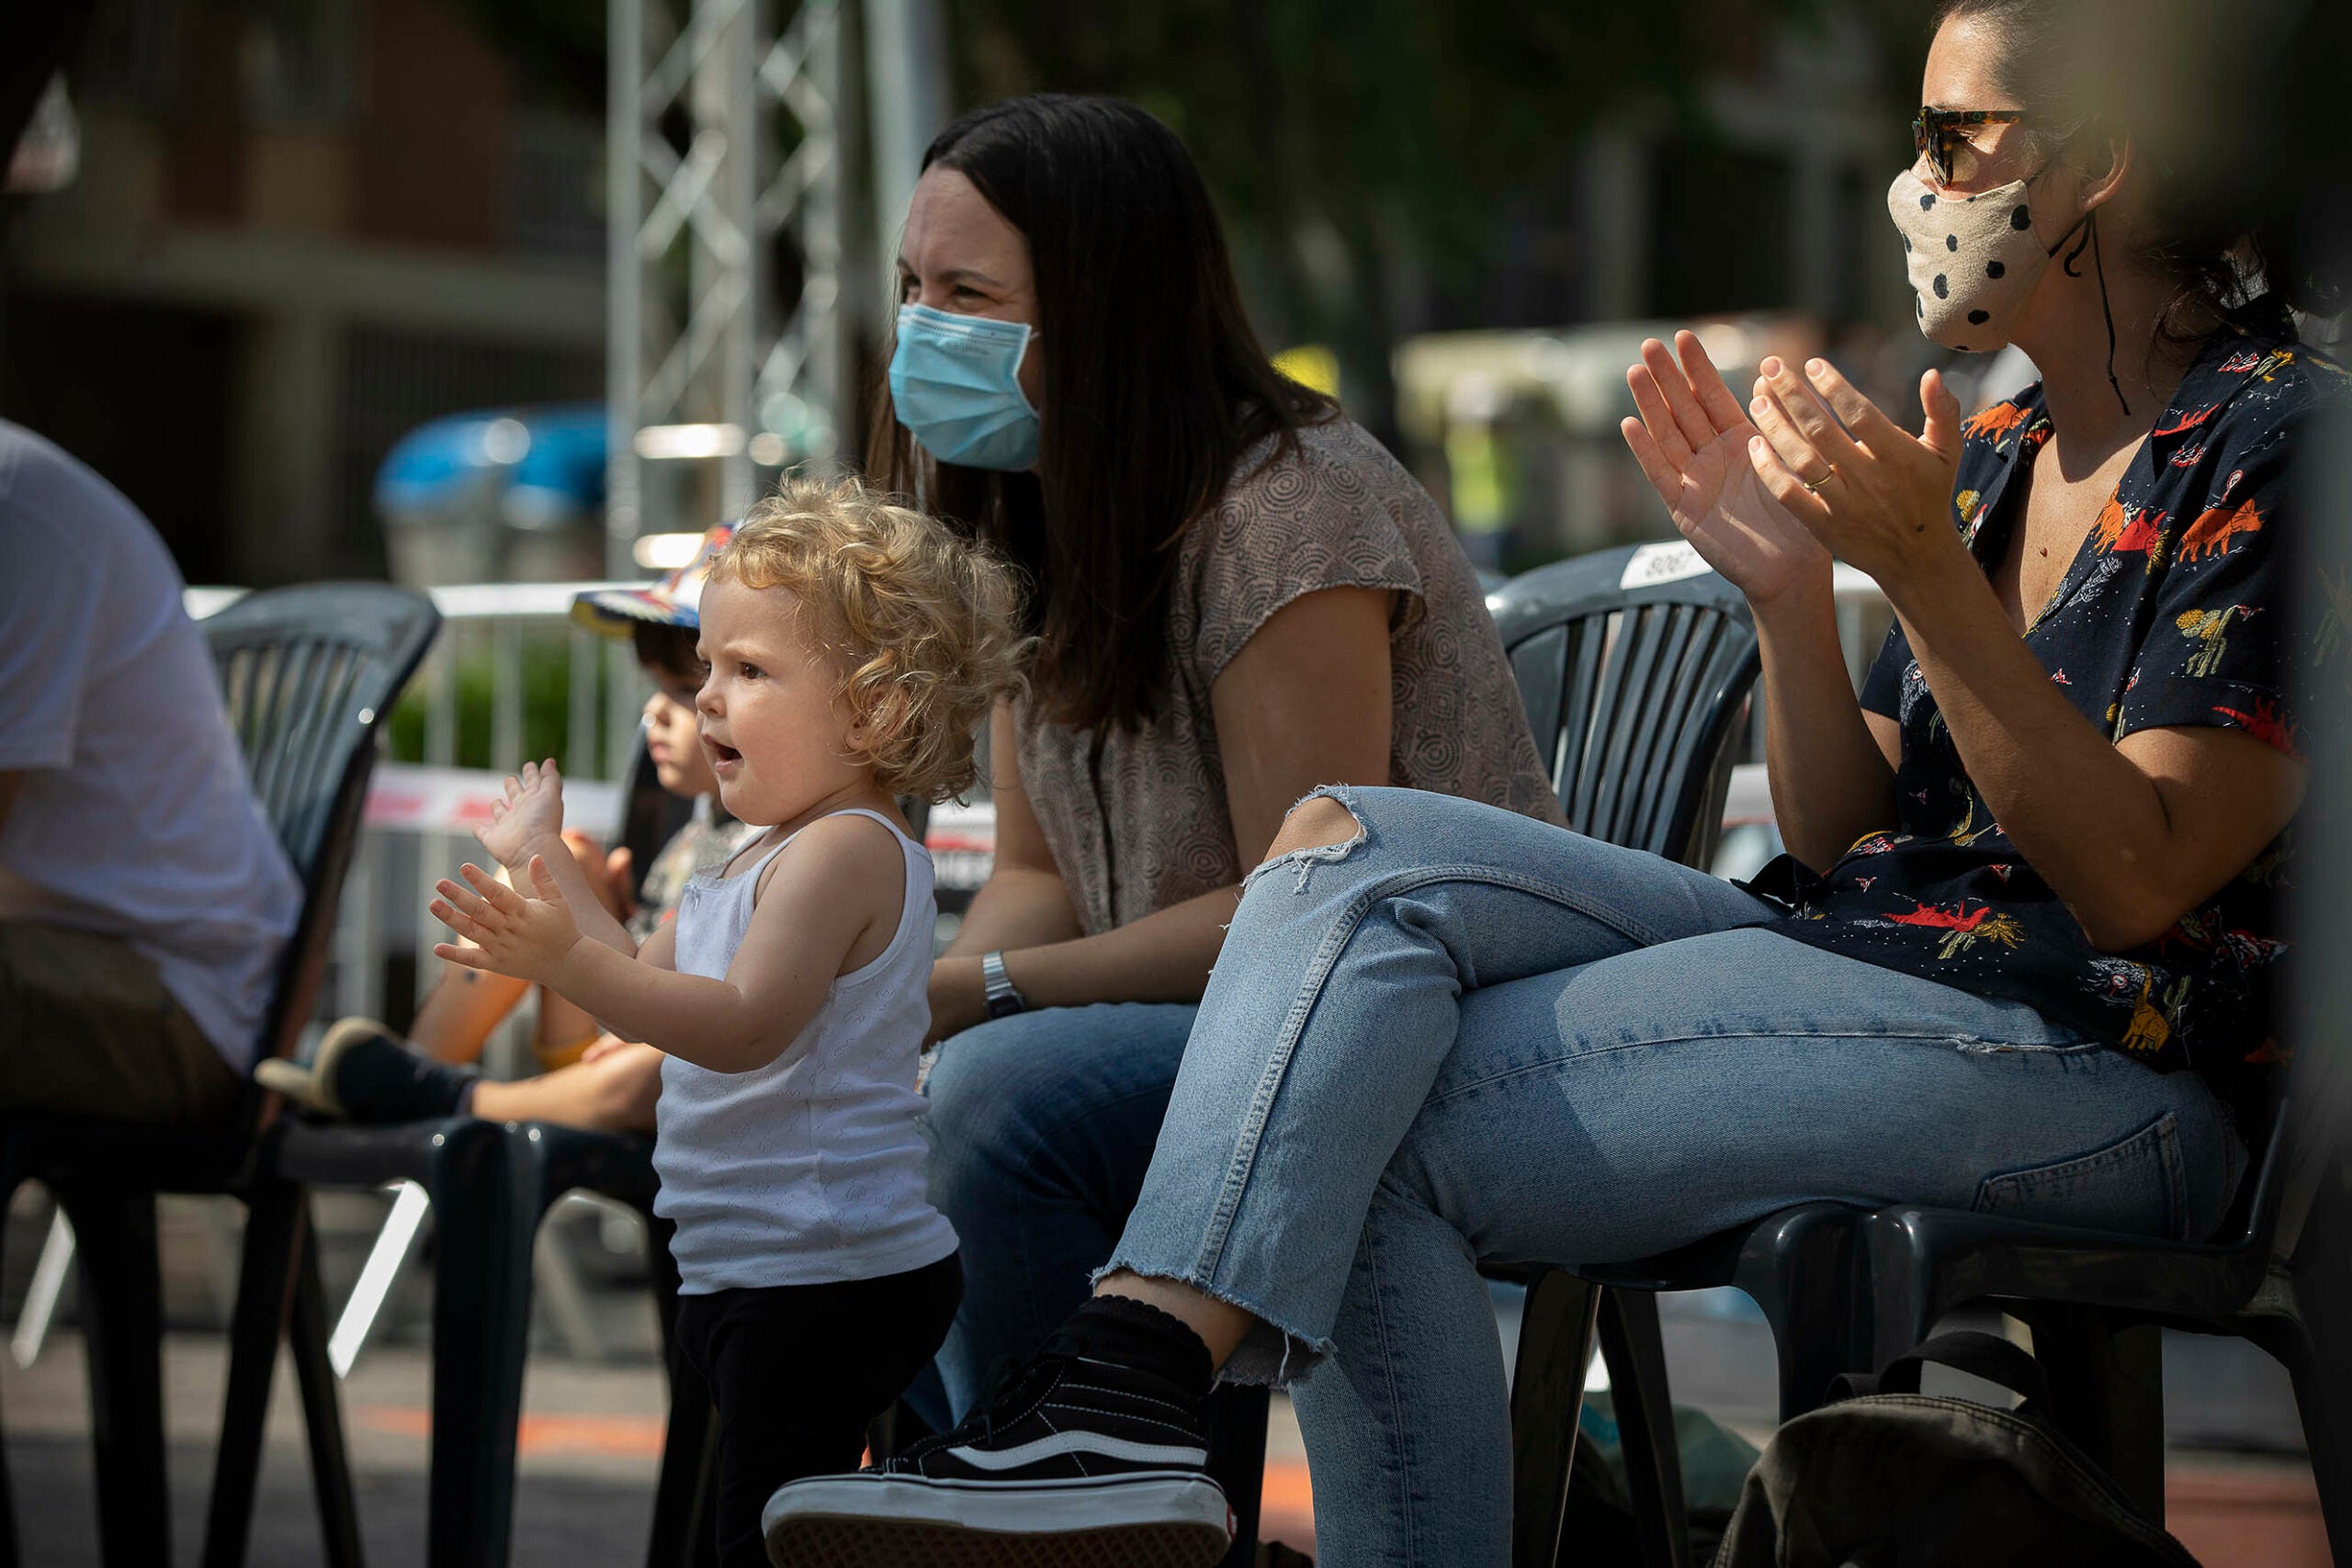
{"x": 1144, "y": 824}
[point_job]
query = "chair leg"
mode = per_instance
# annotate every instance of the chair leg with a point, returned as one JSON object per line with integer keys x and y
{"x": 306, "y": 1336}
{"x": 1634, "y": 1350}
{"x": 2315, "y": 1344}
{"x": 2107, "y": 1392}
{"x": 1237, "y": 1422}
{"x": 1902, "y": 1294}
{"x": 2319, "y": 1362}
{"x": 1557, "y": 1326}
{"x": 264, "y": 1285}
{"x": 40, "y": 1306}
{"x": 1801, "y": 1270}
{"x": 481, "y": 1304}
{"x": 123, "y": 1329}
{"x": 10, "y": 1554}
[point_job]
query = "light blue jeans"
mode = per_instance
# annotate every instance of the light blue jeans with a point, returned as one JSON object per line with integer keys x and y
{"x": 1467, "y": 1037}
{"x": 1041, "y": 1128}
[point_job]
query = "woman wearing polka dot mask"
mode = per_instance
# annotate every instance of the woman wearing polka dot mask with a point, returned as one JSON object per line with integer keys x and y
{"x": 2082, "y": 576}
{"x": 1975, "y": 256}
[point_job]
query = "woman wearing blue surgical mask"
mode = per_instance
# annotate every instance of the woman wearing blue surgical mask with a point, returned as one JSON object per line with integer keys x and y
{"x": 1237, "y": 595}
{"x": 2022, "y": 957}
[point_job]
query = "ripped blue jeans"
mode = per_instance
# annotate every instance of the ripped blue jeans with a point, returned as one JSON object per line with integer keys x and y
{"x": 1467, "y": 1037}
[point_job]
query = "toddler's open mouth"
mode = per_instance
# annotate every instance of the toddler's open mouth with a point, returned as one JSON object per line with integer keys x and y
{"x": 720, "y": 754}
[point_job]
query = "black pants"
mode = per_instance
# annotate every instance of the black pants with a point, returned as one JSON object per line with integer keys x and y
{"x": 797, "y": 1370}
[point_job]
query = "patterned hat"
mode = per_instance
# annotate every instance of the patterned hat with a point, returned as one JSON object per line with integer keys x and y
{"x": 673, "y": 602}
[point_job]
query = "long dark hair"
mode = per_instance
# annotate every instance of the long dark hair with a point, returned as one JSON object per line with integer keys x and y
{"x": 2195, "y": 85}
{"x": 1155, "y": 387}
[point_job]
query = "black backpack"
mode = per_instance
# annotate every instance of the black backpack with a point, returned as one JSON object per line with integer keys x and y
{"x": 1893, "y": 1478}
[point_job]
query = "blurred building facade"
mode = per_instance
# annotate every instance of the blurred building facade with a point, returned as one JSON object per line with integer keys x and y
{"x": 300, "y": 229}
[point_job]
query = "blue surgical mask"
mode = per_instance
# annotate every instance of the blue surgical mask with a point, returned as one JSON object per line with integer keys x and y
{"x": 956, "y": 383}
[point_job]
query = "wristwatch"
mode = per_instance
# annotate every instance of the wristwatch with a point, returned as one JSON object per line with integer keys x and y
{"x": 1003, "y": 999}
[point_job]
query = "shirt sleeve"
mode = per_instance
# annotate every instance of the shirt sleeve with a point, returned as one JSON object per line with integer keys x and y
{"x": 2216, "y": 650}
{"x": 1882, "y": 687}
{"x": 1303, "y": 523}
{"x": 48, "y": 594}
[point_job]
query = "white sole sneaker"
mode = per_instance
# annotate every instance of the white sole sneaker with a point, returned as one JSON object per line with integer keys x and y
{"x": 896, "y": 1521}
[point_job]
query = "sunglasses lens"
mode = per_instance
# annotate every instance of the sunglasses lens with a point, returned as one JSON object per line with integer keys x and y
{"x": 1932, "y": 141}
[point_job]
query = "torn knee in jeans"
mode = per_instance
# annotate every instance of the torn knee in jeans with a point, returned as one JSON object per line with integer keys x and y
{"x": 1322, "y": 827}
{"x": 1319, "y": 821}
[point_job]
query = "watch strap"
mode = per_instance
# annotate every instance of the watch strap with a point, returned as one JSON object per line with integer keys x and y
{"x": 1003, "y": 997}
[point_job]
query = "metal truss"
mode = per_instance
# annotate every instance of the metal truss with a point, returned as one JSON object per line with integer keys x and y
{"x": 707, "y": 369}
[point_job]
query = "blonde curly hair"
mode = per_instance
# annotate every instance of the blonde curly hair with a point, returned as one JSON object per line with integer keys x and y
{"x": 923, "y": 626}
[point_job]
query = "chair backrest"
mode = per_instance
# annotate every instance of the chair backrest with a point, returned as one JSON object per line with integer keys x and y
{"x": 651, "y": 815}
{"x": 1633, "y": 679}
{"x": 308, "y": 674}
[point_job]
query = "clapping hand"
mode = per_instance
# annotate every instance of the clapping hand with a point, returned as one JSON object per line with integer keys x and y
{"x": 1869, "y": 491}
{"x": 529, "y": 820}
{"x": 511, "y": 934}
{"x": 1691, "y": 440}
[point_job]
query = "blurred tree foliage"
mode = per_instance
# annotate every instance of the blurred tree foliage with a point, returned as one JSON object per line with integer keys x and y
{"x": 1347, "y": 138}
{"x": 545, "y": 680}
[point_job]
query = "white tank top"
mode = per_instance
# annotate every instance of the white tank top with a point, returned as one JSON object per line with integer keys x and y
{"x": 809, "y": 1169}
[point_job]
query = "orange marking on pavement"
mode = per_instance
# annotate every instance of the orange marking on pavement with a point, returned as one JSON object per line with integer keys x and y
{"x": 1287, "y": 1506}
{"x": 638, "y": 1436}
{"x": 1286, "y": 1486}
{"x": 399, "y": 1421}
{"x": 627, "y": 1436}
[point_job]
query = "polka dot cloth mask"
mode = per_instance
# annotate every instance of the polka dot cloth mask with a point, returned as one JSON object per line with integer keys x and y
{"x": 1974, "y": 259}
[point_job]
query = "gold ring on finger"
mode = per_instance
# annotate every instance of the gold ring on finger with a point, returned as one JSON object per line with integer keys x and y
{"x": 1813, "y": 487}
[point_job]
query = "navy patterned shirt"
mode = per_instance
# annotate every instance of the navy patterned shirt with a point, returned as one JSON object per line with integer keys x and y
{"x": 2174, "y": 613}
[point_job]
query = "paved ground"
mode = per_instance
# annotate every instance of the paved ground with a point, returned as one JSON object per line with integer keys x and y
{"x": 593, "y": 1429}
{"x": 592, "y": 1435}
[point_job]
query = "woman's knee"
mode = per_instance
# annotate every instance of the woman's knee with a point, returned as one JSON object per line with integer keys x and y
{"x": 1377, "y": 827}
{"x": 1317, "y": 822}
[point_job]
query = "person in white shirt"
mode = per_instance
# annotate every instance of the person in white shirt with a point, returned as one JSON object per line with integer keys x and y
{"x": 145, "y": 901}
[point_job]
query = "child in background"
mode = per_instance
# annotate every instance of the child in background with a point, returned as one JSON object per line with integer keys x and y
{"x": 853, "y": 647}
{"x": 363, "y": 1071}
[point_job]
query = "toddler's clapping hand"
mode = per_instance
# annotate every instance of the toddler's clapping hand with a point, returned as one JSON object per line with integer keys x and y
{"x": 529, "y": 820}
{"x": 512, "y": 934}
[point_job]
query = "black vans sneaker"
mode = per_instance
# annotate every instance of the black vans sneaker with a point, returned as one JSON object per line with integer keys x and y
{"x": 1076, "y": 1463}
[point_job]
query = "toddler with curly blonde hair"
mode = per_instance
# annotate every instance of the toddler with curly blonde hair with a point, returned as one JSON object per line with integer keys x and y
{"x": 854, "y": 646}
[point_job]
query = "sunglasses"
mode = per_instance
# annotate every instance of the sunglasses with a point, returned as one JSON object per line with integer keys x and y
{"x": 1938, "y": 135}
